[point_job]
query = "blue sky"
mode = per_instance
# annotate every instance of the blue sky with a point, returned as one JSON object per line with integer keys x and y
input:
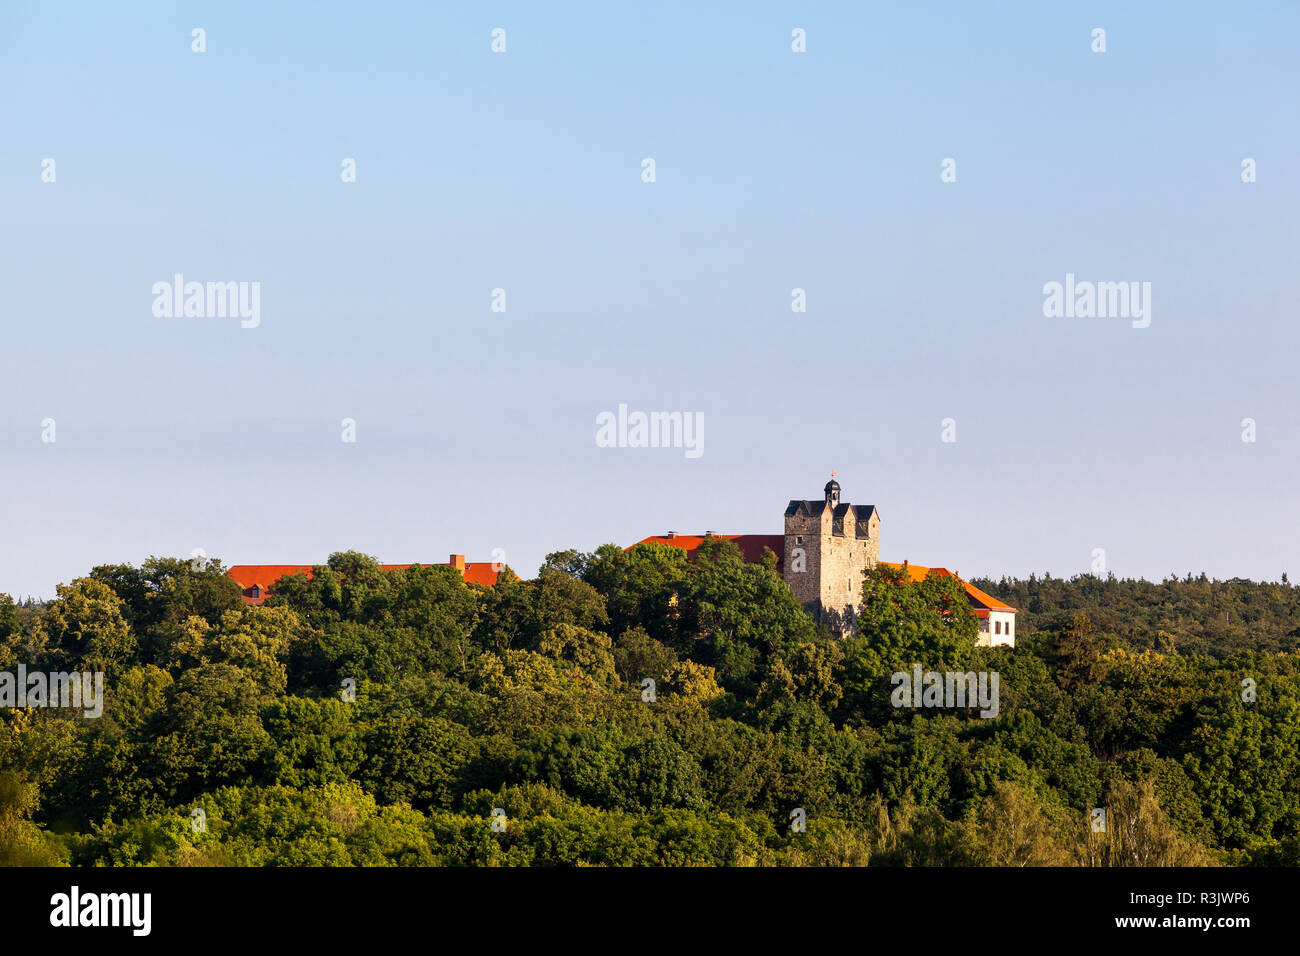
{"x": 522, "y": 171}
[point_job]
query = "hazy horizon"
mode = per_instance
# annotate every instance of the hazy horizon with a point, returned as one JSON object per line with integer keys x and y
{"x": 774, "y": 171}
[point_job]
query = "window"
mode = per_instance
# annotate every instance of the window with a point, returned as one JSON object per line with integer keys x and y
{"x": 997, "y": 627}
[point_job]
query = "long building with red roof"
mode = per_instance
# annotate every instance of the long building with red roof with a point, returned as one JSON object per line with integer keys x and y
{"x": 255, "y": 580}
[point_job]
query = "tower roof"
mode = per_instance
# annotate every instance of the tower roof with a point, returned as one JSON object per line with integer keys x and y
{"x": 815, "y": 508}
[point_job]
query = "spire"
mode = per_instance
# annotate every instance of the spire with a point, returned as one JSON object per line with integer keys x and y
{"x": 832, "y": 490}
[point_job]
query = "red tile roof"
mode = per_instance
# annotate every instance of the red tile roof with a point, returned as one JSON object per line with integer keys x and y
{"x": 751, "y": 545}
{"x": 481, "y": 572}
{"x": 262, "y": 576}
{"x": 981, "y": 601}
{"x": 988, "y": 600}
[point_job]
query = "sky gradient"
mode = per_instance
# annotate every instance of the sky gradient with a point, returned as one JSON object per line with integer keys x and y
{"x": 774, "y": 170}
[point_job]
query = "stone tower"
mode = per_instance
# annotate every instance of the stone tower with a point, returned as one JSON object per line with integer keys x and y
{"x": 828, "y": 547}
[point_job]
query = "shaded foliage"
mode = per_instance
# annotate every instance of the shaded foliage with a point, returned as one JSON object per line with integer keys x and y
{"x": 636, "y": 708}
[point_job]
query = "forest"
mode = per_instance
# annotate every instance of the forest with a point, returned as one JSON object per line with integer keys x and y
{"x": 634, "y": 708}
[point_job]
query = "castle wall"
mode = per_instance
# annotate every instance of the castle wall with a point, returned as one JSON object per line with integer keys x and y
{"x": 1001, "y": 629}
{"x": 804, "y": 537}
{"x": 803, "y": 567}
{"x": 834, "y": 554}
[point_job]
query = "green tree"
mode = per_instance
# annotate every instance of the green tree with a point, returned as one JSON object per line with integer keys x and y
{"x": 87, "y": 628}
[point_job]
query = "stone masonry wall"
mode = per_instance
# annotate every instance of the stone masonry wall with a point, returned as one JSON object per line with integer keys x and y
{"x": 830, "y": 585}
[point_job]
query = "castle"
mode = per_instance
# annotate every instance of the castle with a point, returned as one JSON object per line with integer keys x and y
{"x": 826, "y": 549}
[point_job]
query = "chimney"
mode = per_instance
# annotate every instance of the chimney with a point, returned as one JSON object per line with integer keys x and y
{"x": 458, "y": 562}
{"x": 671, "y": 534}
